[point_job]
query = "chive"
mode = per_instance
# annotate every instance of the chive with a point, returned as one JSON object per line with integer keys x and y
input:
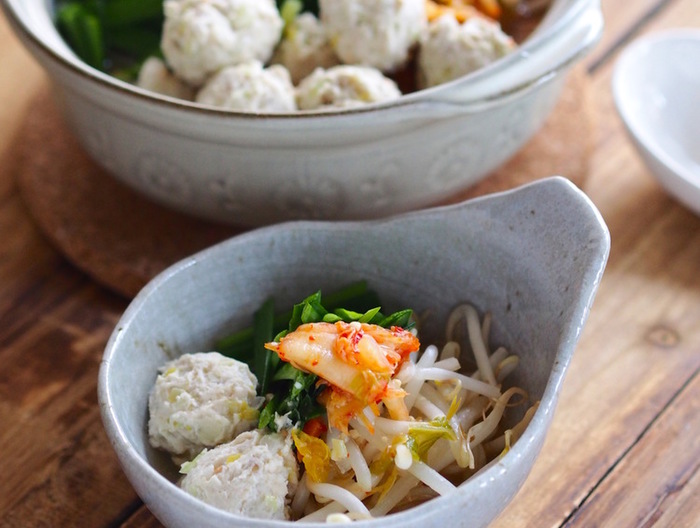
{"x": 401, "y": 318}
{"x": 295, "y": 392}
{"x": 241, "y": 353}
{"x": 126, "y": 13}
{"x": 370, "y": 315}
{"x": 345, "y": 315}
{"x": 352, "y": 298}
{"x": 300, "y": 400}
{"x": 137, "y": 42}
{"x": 233, "y": 343}
{"x": 312, "y": 312}
{"x": 286, "y": 372}
{"x": 267, "y": 415}
{"x": 355, "y": 296}
{"x": 83, "y": 31}
{"x": 264, "y": 361}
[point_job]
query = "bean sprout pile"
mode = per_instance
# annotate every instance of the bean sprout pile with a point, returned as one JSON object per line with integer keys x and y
{"x": 325, "y": 414}
{"x": 454, "y": 430}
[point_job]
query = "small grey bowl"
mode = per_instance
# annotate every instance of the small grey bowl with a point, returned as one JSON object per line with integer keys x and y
{"x": 533, "y": 257}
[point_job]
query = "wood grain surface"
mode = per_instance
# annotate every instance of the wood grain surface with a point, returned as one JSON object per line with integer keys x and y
{"x": 624, "y": 449}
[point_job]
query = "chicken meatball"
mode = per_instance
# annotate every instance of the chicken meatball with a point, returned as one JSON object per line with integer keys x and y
{"x": 202, "y": 36}
{"x": 155, "y": 76}
{"x": 378, "y": 33}
{"x": 450, "y": 50}
{"x": 304, "y": 48}
{"x": 251, "y": 88}
{"x": 201, "y": 400}
{"x": 345, "y": 86}
{"x": 254, "y": 475}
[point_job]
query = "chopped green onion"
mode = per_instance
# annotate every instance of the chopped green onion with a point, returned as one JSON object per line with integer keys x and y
{"x": 267, "y": 415}
{"x": 111, "y": 34}
{"x": 355, "y": 296}
{"x": 264, "y": 361}
{"x": 401, "y": 318}
{"x": 83, "y": 31}
{"x": 136, "y": 42}
{"x": 127, "y": 13}
{"x": 295, "y": 392}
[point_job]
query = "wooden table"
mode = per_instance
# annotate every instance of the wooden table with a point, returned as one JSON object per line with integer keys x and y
{"x": 624, "y": 449}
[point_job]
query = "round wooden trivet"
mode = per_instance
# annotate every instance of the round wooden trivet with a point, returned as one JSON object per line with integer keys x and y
{"x": 122, "y": 240}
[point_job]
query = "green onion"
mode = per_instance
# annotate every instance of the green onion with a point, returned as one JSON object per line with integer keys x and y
{"x": 127, "y": 13}
{"x": 354, "y": 296}
{"x": 401, "y": 318}
{"x": 294, "y": 392}
{"x": 106, "y": 32}
{"x": 83, "y": 31}
{"x": 137, "y": 42}
{"x": 267, "y": 415}
{"x": 264, "y": 361}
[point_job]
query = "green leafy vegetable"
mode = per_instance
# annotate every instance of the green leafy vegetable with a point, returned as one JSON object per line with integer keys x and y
{"x": 294, "y": 392}
{"x": 118, "y": 35}
{"x": 264, "y": 361}
{"x": 83, "y": 31}
{"x": 401, "y": 318}
{"x": 355, "y": 296}
{"x": 127, "y": 13}
{"x": 108, "y": 34}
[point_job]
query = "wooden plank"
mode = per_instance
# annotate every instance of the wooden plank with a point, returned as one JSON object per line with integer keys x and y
{"x": 680, "y": 512}
{"x": 625, "y": 372}
{"x": 62, "y": 466}
{"x": 644, "y": 488}
{"x": 617, "y": 170}
{"x": 665, "y": 493}
{"x": 621, "y": 25}
{"x": 642, "y": 338}
{"x": 55, "y": 325}
{"x": 142, "y": 519}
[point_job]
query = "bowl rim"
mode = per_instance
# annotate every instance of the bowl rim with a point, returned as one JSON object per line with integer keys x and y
{"x": 591, "y": 277}
{"x": 537, "y": 41}
{"x": 630, "y": 60}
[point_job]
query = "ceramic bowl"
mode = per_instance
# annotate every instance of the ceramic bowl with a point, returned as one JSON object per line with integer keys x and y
{"x": 355, "y": 164}
{"x": 533, "y": 257}
{"x": 655, "y": 86}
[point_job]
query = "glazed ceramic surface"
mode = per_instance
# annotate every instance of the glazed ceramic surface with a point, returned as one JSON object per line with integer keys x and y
{"x": 533, "y": 257}
{"x": 364, "y": 163}
{"x": 656, "y": 86}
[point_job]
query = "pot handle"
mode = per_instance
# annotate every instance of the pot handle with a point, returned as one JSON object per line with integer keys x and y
{"x": 529, "y": 67}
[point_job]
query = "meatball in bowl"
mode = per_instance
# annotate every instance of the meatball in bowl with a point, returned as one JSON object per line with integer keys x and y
{"x": 395, "y": 391}
{"x": 252, "y": 112}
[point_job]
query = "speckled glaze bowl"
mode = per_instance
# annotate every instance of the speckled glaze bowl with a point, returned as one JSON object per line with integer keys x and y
{"x": 364, "y": 163}
{"x": 533, "y": 257}
{"x": 655, "y": 88}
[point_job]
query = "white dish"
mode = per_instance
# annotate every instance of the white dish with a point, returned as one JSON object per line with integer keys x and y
{"x": 656, "y": 86}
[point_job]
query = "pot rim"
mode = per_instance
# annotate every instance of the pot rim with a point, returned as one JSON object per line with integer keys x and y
{"x": 545, "y": 35}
